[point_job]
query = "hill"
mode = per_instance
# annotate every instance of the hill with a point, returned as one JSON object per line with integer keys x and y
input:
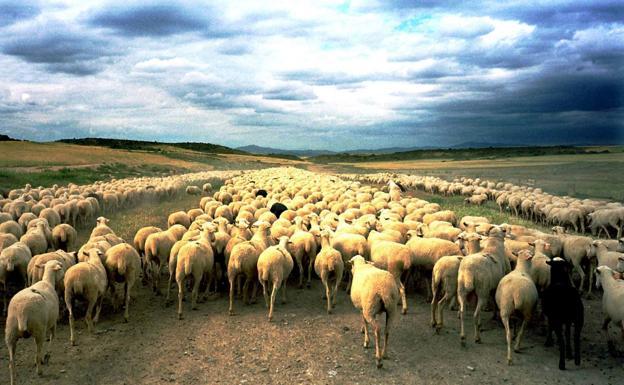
{"x": 152, "y": 146}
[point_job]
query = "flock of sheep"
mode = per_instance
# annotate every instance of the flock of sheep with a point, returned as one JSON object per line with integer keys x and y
{"x": 261, "y": 226}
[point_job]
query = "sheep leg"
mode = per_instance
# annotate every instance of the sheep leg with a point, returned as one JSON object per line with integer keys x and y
{"x": 238, "y": 283}
{"x": 376, "y": 331}
{"x": 254, "y": 292}
{"x": 180, "y": 297}
{"x": 561, "y": 342}
{"x": 273, "y": 293}
{"x": 231, "y": 308}
{"x": 46, "y": 357}
{"x": 310, "y": 267}
{"x": 301, "y": 273}
{"x": 98, "y": 308}
{"x": 283, "y": 292}
{"x": 328, "y": 295}
{"x": 264, "y": 292}
{"x": 434, "y": 303}
{"x": 127, "y": 304}
{"x": 335, "y": 291}
{"x": 246, "y": 290}
{"x": 68, "y": 304}
{"x": 389, "y": 320}
{"x": 525, "y": 322}
{"x": 577, "y": 341}
{"x": 477, "y": 319}
{"x": 11, "y": 343}
{"x": 579, "y": 269}
{"x": 89, "y": 315}
{"x": 592, "y": 269}
{"x": 169, "y": 283}
{"x": 462, "y": 309}
{"x": 195, "y": 291}
{"x": 403, "y": 298}
{"x": 505, "y": 319}
{"x": 39, "y": 339}
{"x": 440, "y": 312}
{"x": 365, "y": 329}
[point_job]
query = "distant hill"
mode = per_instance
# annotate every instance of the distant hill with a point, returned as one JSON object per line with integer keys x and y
{"x": 454, "y": 154}
{"x": 152, "y": 146}
{"x": 259, "y": 150}
{"x": 6, "y": 138}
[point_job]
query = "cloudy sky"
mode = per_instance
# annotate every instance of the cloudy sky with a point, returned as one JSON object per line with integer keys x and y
{"x": 318, "y": 74}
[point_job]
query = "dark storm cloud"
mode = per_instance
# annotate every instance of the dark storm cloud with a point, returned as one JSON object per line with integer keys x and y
{"x": 58, "y": 47}
{"x": 17, "y": 10}
{"x": 161, "y": 19}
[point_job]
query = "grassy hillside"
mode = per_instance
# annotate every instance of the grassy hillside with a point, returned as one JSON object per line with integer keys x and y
{"x": 465, "y": 154}
{"x": 49, "y": 163}
{"x": 141, "y": 145}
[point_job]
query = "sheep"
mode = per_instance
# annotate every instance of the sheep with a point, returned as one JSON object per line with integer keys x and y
{"x": 50, "y": 215}
{"x": 468, "y": 220}
{"x": 606, "y": 257}
{"x": 33, "y": 311}
{"x": 6, "y": 240}
{"x": 477, "y": 199}
{"x": 36, "y": 263}
{"x": 612, "y": 301}
{"x": 516, "y": 292}
{"x": 207, "y": 188}
{"x": 302, "y": 245}
{"x": 193, "y": 190}
{"x": 14, "y": 260}
{"x": 64, "y": 237}
{"x": 86, "y": 279}
{"x": 443, "y": 281}
{"x": 11, "y": 227}
{"x": 540, "y": 269}
{"x": 196, "y": 260}
{"x": 374, "y": 291}
{"x": 179, "y": 218}
{"x": 329, "y": 265}
{"x": 350, "y": 245}
{"x": 221, "y": 239}
{"x": 396, "y": 259}
{"x": 24, "y": 219}
{"x": 278, "y": 208}
{"x": 157, "y": 251}
{"x": 562, "y": 305}
{"x": 101, "y": 228}
{"x": 602, "y": 218}
{"x": 480, "y": 273}
{"x": 576, "y": 249}
{"x": 139, "y": 241}
{"x": 446, "y": 215}
{"x": 274, "y": 266}
{"x": 426, "y": 251}
{"x": 122, "y": 265}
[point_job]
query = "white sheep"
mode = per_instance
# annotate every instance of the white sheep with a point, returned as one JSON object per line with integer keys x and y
{"x": 480, "y": 273}
{"x": 88, "y": 280}
{"x": 36, "y": 239}
{"x": 443, "y": 287}
{"x": 274, "y": 266}
{"x": 374, "y": 291}
{"x": 64, "y": 237}
{"x": 396, "y": 259}
{"x": 14, "y": 260}
{"x": 302, "y": 246}
{"x": 101, "y": 228}
{"x": 122, "y": 265}
{"x": 612, "y": 300}
{"x": 196, "y": 260}
{"x": 516, "y": 292}
{"x": 34, "y": 311}
{"x": 329, "y": 265}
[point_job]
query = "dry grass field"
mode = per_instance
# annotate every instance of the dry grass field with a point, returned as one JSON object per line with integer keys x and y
{"x": 580, "y": 175}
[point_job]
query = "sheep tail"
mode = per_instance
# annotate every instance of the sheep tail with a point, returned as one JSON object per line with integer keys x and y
{"x": 121, "y": 266}
{"x": 22, "y": 322}
{"x": 265, "y": 275}
{"x": 187, "y": 266}
{"x": 63, "y": 236}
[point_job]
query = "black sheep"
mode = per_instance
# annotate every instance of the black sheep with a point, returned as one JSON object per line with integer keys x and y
{"x": 563, "y": 306}
{"x": 262, "y": 193}
{"x": 278, "y": 209}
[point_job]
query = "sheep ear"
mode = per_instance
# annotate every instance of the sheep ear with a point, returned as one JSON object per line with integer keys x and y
{"x": 532, "y": 244}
